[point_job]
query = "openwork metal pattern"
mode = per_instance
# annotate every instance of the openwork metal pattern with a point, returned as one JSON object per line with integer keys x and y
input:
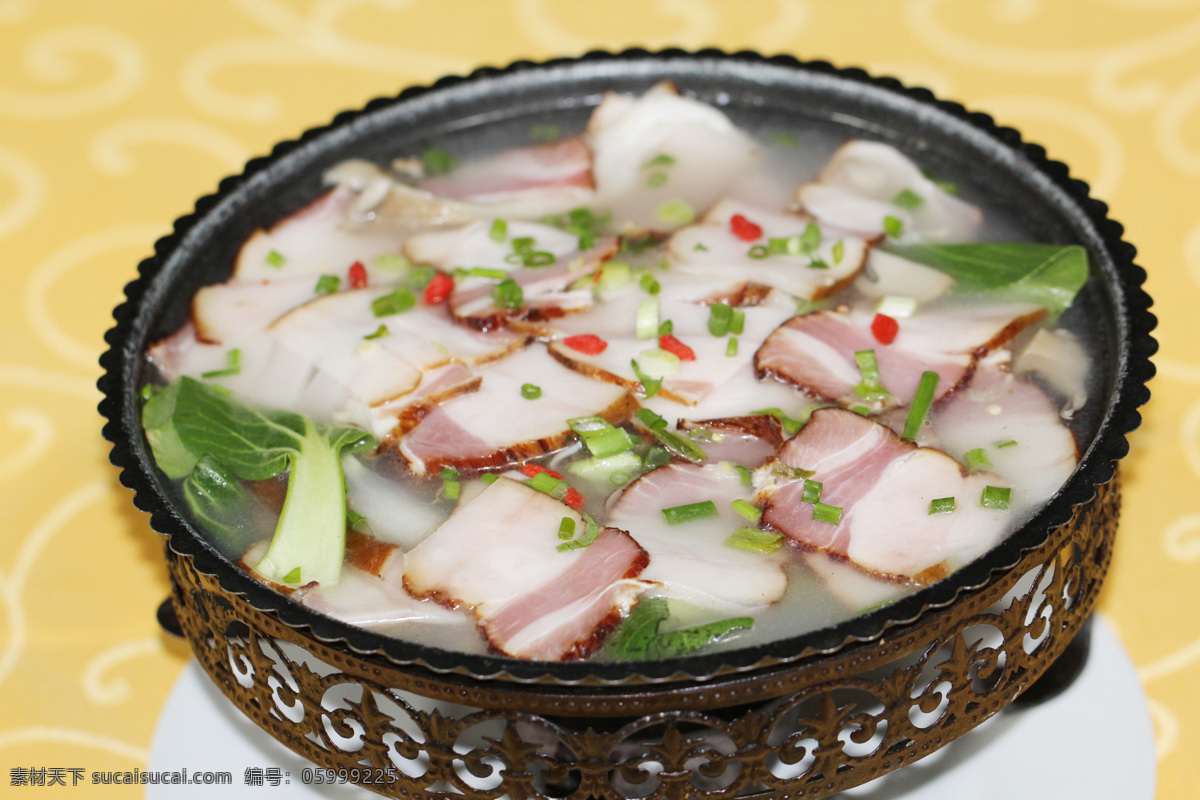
{"x": 805, "y": 730}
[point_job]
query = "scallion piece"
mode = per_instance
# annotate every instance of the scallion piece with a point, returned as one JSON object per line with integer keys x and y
{"x": 996, "y": 497}
{"x": 647, "y": 318}
{"x": 566, "y": 528}
{"x": 812, "y": 491}
{"x": 546, "y": 483}
{"x": 391, "y": 261}
{"x": 507, "y": 294}
{"x": 276, "y": 259}
{"x": 666, "y": 328}
{"x": 393, "y": 303}
{"x": 731, "y": 349}
{"x": 679, "y": 515}
{"x": 788, "y": 424}
{"x": 1009, "y": 443}
{"x": 908, "y": 199}
{"x": 499, "y": 231}
{"x": 293, "y": 576}
{"x": 737, "y": 321}
{"x": 379, "y": 333}
{"x": 719, "y": 316}
{"x": 660, "y": 160}
{"x": 810, "y": 240}
{"x": 538, "y": 258}
{"x": 680, "y": 445}
{"x": 676, "y": 212}
{"x": 614, "y": 275}
{"x": 649, "y": 284}
{"x": 656, "y": 179}
{"x": 893, "y": 226}
{"x": 920, "y": 406}
{"x": 489, "y": 478}
{"x": 448, "y": 474}
{"x": 977, "y": 459}
{"x": 826, "y": 513}
{"x": 233, "y": 366}
{"x": 327, "y": 284}
{"x": 839, "y": 251}
{"x": 590, "y": 532}
{"x": 494, "y": 273}
{"x": 450, "y": 489}
{"x": 757, "y": 541}
{"x": 700, "y": 247}
{"x": 649, "y": 385}
{"x": 748, "y": 511}
{"x": 657, "y": 457}
{"x": 600, "y": 437}
{"x": 437, "y": 161}
{"x": 744, "y": 474}
{"x": 942, "y": 505}
{"x": 531, "y": 391}
{"x": 757, "y": 251}
{"x": 870, "y": 388}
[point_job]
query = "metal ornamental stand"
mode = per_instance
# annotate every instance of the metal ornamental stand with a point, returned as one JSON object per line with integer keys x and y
{"x": 807, "y": 729}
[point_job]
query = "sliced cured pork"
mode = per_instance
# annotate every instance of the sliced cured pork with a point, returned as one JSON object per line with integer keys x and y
{"x": 691, "y": 560}
{"x": 499, "y": 556}
{"x": 499, "y": 426}
{"x": 816, "y": 352}
{"x": 883, "y": 487}
{"x": 865, "y": 183}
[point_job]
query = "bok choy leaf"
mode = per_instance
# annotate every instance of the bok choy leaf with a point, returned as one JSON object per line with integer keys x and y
{"x": 638, "y": 637}
{"x": 189, "y": 421}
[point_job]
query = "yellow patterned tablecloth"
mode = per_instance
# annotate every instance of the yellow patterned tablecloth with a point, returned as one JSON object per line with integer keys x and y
{"x": 115, "y": 115}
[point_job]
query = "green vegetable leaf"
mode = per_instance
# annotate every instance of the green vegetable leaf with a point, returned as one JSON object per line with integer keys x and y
{"x": 220, "y": 503}
{"x": 1048, "y": 274}
{"x": 192, "y": 420}
{"x": 638, "y": 638}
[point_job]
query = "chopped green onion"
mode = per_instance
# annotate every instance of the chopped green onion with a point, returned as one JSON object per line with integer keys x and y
{"x": 531, "y": 391}
{"x": 437, "y": 161}
{"x": 658, "y": 363}
{"x": 1009, "y": 443}
{"x": 908, "y": 199}
{"x": 450, "y": 489}
{"x": 666, "y": 328}
{"x": 870, "y": 388}
{"x": 494, "y": 273}
{"x": 660, "y": 160}
{"x": 616, "y": 469}
{"x": 920, "y": 406}
{"x": 600, "y": 436}
{"x": 448, "y": 474}
{"x": 657, "y": 457}
{"x": 391, "y": 261}
{"x": 892, "y": 226}
{"x": 812, "y": 491}
{"x": 839, "y": 251}
{"x": 649, "y": 284}
{"x": 420, "y": 277}
{"x": 746, "y": 510}
{"x": 327, "y": 284}
{"x": 675, "y": 212}
{"x": 647, "y": 318}
{"x": 753, "y": 539}
{"x": 792, "y": 473}
{"x": 700, "y": 247}
{"x": 379, "y": 333}
{"x": 656, "y": 179}
{"x": 507, "y": 294}
{"x": 394, "y": 303}
{"x": 826, "y": 513}
{"x": 547, "y": 484}
{"x": 977, "y": 459}
{"x": 677, "y": 444}
{"x": 489, "y": 478}
{"x": 293, "y": 576}
{"x": 499, "y": 231}
{"x": 523, "y": 244}
{"x": 566, "y": 528}
{"x": 737, "y": 321}
{"x": 731, "y": 349}
{"x": 233, "y": 366}
{"x": 719, "y": 316}
{"x": 649, "y": 385}
{"x": 589, "y": 535}
{"x": 538, "y": 258}
{"x": 995, "y": 497}
{"x": 276, "y": 259}
{"x": 679, "y": 515}
{"x": 896, "y": 306}
{"x": 614, "y": 275}
{"x": 757, "y": 251}
{"x": 744, "y": 474}
{"x": 942, "y": 505}
{"x": 788, "y": 424}
{"x": 862, "y": 411}
{"x": 810, "y": 240}
{"x": 817, "y": 263}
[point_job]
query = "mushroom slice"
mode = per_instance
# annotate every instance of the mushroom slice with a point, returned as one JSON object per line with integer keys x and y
{"x": 661, "y": 152}
{"x": 691, "y": 559}
{"x": 500, "y": 426}
{"x": 864, "y": 183}
{"x": 876, "y": 491}
{"x": 810, "y": 263}
{"x": 499, "y": 556}
{"x": 816, "y": 352}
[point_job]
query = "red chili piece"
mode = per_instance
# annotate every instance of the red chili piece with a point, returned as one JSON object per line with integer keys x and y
{"x": 744, "y": 229}
{"x": 530, "y": 470}
{"x": 357, "y": 276}
{"x": 587, "y": 343}
{"x": 884, "y": 328}
{"x": 574, "y": 499}
{"x": 672, "y": 345}
{"x": 438, "y": 289}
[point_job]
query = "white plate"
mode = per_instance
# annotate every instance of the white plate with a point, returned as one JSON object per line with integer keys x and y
{"x": 201, "y": 731}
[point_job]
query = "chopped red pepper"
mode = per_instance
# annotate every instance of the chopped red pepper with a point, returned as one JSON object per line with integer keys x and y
{"x": 672, "y": 345}
{"x": 529, "y": 470}
{"x": 884, "y": 328}
{"x": 438, "y": 289}
{"x": 574, "y": 499}
{"x": 587, "y": 343}
{"x": 357, "y": 277}
{"x": 744, "y": 229}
